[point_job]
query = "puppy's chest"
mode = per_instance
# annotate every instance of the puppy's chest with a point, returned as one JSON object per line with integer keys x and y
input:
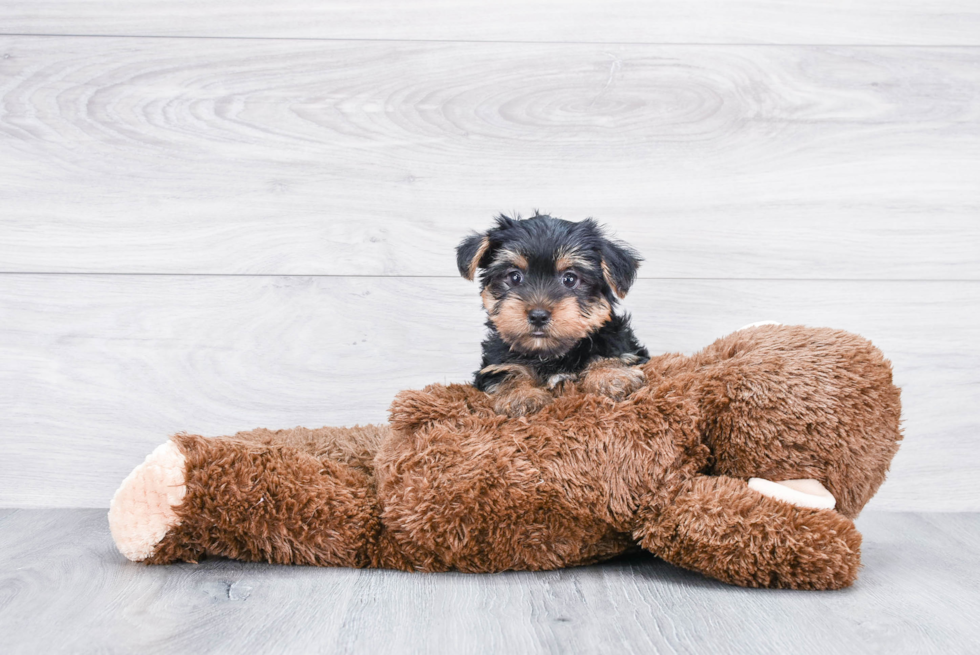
{"x": 573, "y": 361}
{"x": 547, "y": 368}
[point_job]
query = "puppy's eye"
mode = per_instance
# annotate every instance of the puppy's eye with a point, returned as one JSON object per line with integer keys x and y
{"x": 570, "y": 280}
{"x": 515, "y": 278}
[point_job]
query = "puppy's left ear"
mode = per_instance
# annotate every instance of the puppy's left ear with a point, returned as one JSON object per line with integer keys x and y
{"x": 619, "y": 264}
{"x": 470, "y": 252}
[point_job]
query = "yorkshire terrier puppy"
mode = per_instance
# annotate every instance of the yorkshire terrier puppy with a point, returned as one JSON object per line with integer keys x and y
{"x": 549, "y": 287}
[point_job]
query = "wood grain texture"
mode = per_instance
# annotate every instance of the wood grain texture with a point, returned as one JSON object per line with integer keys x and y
{"x": 917, "y": 593}
{"x": 955, "y": 22}
{"x": 292, "y": 157}
{"x": 100, "y": 369}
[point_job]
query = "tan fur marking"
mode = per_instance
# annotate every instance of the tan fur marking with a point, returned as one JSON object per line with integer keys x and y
{"x": 511, "y": 319}
{"x": 514, "y": 370}
{"x": 511, "y": 257}
{"x": 612, "y": 283}
{"x": 488, "y": 300}
{"x": 475, "y": 262}
{"x": 569, "y": 324}
{"x": 570, "y": 259}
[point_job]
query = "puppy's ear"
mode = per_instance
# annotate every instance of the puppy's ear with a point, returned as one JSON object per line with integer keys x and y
{"x": 470, "y": 252}
{"x": 619, "y": 264}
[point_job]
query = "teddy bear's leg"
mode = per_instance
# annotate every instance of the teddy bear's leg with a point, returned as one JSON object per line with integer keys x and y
{"x": 355, "y": 446}
{"x": 142, "y": 510}
{"x": 789, "y": 403}
{"x": 195, "y": 497}
{"x": 722, "y": 528}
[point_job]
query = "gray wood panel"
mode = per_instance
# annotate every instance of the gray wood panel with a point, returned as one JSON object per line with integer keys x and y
{"x": 293, "y": 157}
{"x": 97, "y": 370}
{"x": 673, "y": 21}
{"x": 64, "y": 588}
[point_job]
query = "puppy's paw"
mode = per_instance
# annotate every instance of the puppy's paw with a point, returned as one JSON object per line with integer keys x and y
{"x": 613, "y": 380}
{"x": 521, "y": 400}
{"x": 559, "y": 380}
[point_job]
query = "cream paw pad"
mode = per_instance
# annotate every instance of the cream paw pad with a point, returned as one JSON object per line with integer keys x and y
{"x": 142, "y": 510}
{"x": 802, "y": 493}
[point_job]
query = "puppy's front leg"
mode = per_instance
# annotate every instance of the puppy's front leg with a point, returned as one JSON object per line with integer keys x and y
{"x": 519, "y": 393}
{"x": 612, "y": 377}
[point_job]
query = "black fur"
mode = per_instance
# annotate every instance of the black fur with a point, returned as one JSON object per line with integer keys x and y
{"x": 540, "y": 241}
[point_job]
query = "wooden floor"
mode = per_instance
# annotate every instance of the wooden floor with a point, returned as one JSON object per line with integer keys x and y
{"x": 64, "y": 588}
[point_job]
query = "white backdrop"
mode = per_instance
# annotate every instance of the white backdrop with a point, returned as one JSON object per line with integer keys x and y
{"x": 247, "y": 219}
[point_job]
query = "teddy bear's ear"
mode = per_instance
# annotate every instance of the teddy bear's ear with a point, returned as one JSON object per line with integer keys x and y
{"x": 619, "y": 265}
{"x": 470, "y": 252}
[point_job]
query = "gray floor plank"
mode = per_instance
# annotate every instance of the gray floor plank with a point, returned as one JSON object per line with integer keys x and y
{"x": 217, "y": 156}
{"x": 671, "y": 21}
{"x": 100, "y": 369}
{"x": 63, "y": 588}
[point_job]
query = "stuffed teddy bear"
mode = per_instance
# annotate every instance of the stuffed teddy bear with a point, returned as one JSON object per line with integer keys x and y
{"x": 745, "y": 462}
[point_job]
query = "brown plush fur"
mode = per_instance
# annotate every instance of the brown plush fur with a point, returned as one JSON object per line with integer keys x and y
{"x": 453, "y": 485}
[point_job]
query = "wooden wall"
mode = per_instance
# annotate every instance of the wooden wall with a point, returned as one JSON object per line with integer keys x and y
{"x": 221, "y": 215}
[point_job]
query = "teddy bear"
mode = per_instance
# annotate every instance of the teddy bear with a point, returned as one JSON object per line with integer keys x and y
{"x": 746, "y": 462}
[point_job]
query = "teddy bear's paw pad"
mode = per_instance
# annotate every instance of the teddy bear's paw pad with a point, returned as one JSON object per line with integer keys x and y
{"x": 802, "y": 493}
{"x": 142, "y": 510}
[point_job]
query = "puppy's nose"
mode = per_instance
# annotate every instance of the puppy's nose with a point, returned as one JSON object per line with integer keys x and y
{"x": 538, "y": 317}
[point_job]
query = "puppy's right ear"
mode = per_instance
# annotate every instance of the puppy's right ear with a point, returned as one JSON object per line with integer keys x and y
{"x": 470, "y": 252}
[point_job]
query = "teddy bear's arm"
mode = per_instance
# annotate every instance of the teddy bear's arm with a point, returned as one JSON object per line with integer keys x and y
{"x": 720, "y": 527}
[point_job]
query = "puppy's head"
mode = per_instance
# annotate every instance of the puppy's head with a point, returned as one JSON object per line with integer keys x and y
{"x": 547, "y": 283}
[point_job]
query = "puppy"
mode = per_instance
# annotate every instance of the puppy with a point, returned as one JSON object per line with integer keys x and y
{"x": 549, "y": 287}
